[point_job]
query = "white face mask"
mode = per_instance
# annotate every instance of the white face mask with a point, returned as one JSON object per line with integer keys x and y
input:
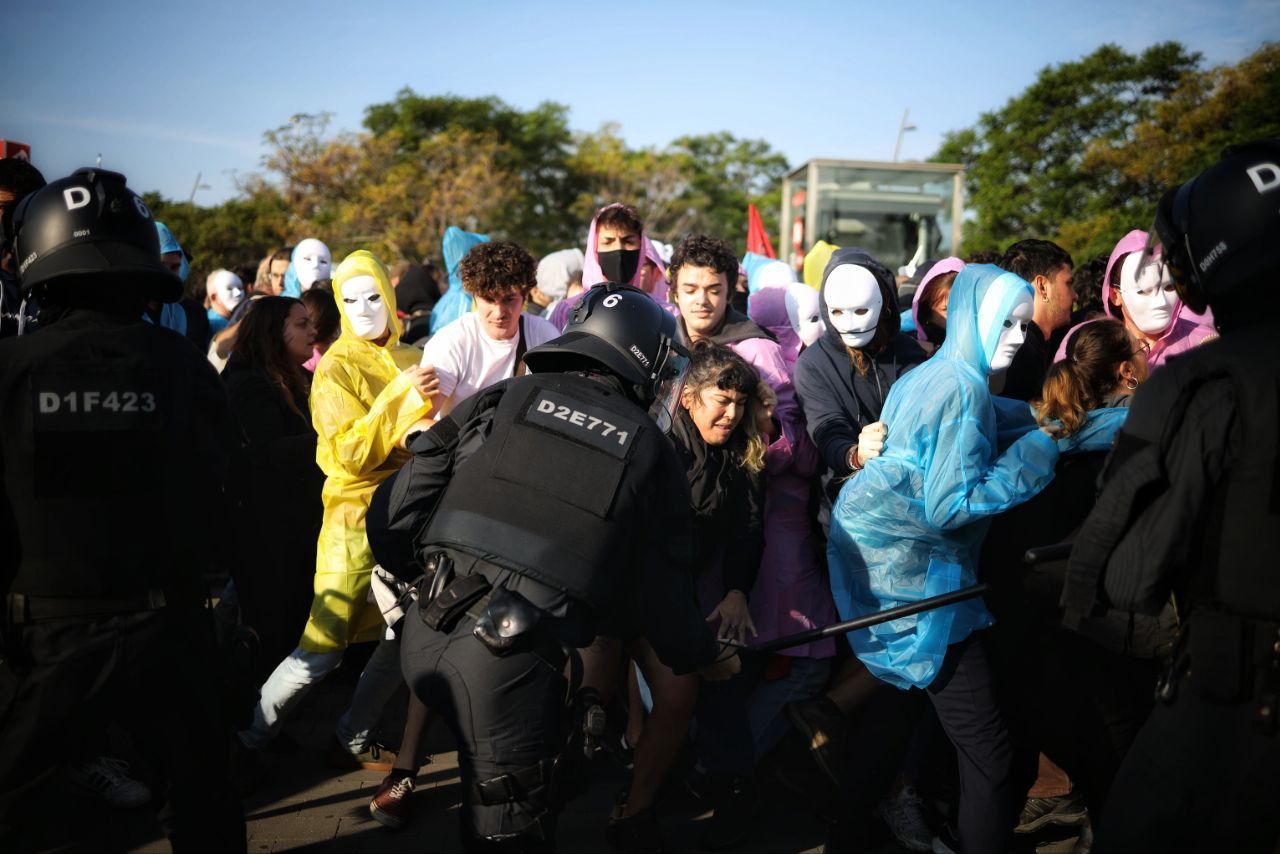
{"x": 364, "y": 307}
{"x": 805, "y": 313}
{"x": 312, "y": 262}
{"x": 853, "y": 304}
{"x": 1011, "y": 326}
{"x": 228, "y": 288}
{"x": 1149, "y": 297}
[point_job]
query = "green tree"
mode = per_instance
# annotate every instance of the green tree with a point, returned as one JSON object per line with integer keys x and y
{"x": 725, "y": 175}
{"x": 536, "y": 146}
{"x": 1026, "y": 174}
{"x": 1188, "y": 130}
{"x": 236, "y": 234}
{"x": 652, "y": 181}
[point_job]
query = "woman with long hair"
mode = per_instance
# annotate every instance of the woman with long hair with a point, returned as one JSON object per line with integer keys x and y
{"x": 1101, "y": 365}
{"x": 1085, "y": 718}
{"x": 278, "y": 485}
{"x": 723, "y": 457}
{"x": 717, "y": 438}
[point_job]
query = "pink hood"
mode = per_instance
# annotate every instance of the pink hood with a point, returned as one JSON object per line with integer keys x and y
{"x": 1066, "y": 339}
{"x": 592, "y": 274}
{"x": 946, "y": 265}
{"x": 768, "y": 308}
{"x": 1187, "y": 330}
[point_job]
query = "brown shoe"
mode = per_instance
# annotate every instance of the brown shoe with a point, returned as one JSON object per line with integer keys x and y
{"x": 391, "y": 805}
{"x": 375, "y": 757}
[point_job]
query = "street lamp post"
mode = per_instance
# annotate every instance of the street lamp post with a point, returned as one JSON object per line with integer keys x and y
{"x": 902, "y": 129}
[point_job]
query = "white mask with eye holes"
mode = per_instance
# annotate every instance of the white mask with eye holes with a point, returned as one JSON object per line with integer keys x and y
{"x": 312, "y": 262}
{"x": 228, "y": 288}
{"x": 1005, "y": 314}
{"x": 1149, "y": 297}
{"x": 365, "y": 309}
{"x": 804, "y": 312}
{"x": 853, "y": 302}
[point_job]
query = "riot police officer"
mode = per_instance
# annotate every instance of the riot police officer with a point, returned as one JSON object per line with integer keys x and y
{"x": 1191, "y": 506}
{"x": 114, "y": 437}
{"x": 548, "y": 507}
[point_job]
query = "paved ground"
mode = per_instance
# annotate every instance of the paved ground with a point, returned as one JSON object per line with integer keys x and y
{"x": 303, "y": 805}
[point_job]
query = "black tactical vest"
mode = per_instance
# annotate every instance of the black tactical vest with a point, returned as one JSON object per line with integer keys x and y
{"x": 556, "y": 490}
{"x": 1242, "y": 536}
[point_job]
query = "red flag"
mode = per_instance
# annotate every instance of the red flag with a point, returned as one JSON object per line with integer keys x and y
{"x": 757, "y": 238}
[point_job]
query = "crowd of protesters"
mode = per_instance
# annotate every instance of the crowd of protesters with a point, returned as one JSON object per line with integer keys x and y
{"x": 854, "y": 437}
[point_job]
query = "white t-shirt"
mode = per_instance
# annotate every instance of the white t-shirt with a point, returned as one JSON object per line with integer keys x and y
{"x": 467, "y": 360}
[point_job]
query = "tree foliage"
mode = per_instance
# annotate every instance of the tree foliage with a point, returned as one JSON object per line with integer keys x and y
{"x": 424, "y": 163}
{"x": 1084, "y": 153}
{"x": 535, "y": 146}
{"x": 1026, "y": 174}
{"x": 236, "y": 234}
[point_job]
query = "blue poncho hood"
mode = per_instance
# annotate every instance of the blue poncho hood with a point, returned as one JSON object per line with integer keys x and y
{"x": 456, "y": 302}
{"x": 172, "y": 314}
{"x": 169, "y": 243}
{"x": 966, "y": 342}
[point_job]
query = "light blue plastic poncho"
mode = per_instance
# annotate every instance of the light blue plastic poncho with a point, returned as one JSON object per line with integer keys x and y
{"x": 910, "y": 524}
{"x": 172, "y": 315}
{"x": 456, "y": 302}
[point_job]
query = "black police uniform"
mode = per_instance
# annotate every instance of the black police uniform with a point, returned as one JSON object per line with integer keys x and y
{"x": 1191, "y": 506}
{"x": 114, "y": 443}
{"x": 559, "y": 489}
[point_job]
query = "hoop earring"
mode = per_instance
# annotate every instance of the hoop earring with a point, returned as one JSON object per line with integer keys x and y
{"x": 1131, "y": 383}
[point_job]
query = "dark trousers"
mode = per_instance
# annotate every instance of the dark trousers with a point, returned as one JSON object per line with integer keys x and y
{"x": 1198, "y": 778}
{"x": 155, "y": 674}
{"x": 723, "y": 727}
{"x": 964, "y": 698}
{"x": 507, "y": 714}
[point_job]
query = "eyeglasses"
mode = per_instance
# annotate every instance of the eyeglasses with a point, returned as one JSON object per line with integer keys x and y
{"x": 1144, "y": 349}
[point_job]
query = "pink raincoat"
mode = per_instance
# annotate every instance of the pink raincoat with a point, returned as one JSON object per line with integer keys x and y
{"x": 791, "y": 593}
{"x": 1186, "y": 330}
{"x": 946, "y": 265}
{"x": 592, "y": 275}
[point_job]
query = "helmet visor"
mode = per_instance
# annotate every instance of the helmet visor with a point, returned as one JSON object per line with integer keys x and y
{"x": 669, "y": 384}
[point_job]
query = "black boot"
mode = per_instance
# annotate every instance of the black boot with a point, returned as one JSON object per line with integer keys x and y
{"x": 734, "y": 799}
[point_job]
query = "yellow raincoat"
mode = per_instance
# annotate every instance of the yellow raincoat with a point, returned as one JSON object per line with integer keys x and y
{"x": 361, "y": 404}
{"x": 815, "y": 263}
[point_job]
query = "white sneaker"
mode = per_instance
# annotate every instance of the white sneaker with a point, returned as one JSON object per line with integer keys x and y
{"x": 904, "y": 815}
{"x": 109, "y": 778}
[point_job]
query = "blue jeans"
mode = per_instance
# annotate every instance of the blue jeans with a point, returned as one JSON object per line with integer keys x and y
{"x": 294, "y": 678}
{"x": 766, "y": 707}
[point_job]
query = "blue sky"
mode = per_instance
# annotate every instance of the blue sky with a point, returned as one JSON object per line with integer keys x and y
{"x": 164, "y": 91}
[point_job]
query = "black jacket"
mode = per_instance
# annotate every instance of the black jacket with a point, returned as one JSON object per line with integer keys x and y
{"x": 275, "y": 486}
{"x": 411, "y": 513}
{"x": 837, "y": 401}
{"x": 728, "y": 508}
{"x": 1191, "y": 496}
{"x": 114, "y": 438}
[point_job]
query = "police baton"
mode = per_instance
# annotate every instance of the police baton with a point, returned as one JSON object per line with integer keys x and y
{"x": 862, "y": 622}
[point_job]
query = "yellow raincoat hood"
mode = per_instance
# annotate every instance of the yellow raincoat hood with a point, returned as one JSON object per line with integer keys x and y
{"x": 363, "y": 263}
{"x": 815, "y": 262}
{"x": 361, "y": 405}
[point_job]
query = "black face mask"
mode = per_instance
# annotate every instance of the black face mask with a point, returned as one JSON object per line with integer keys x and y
{"x": 619, "y": 265}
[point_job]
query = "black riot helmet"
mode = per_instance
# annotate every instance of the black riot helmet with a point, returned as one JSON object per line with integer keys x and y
{"x": 621, "y": 329}
{"x": 1221, "y": 229}
{"x": 87, "y": 226}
